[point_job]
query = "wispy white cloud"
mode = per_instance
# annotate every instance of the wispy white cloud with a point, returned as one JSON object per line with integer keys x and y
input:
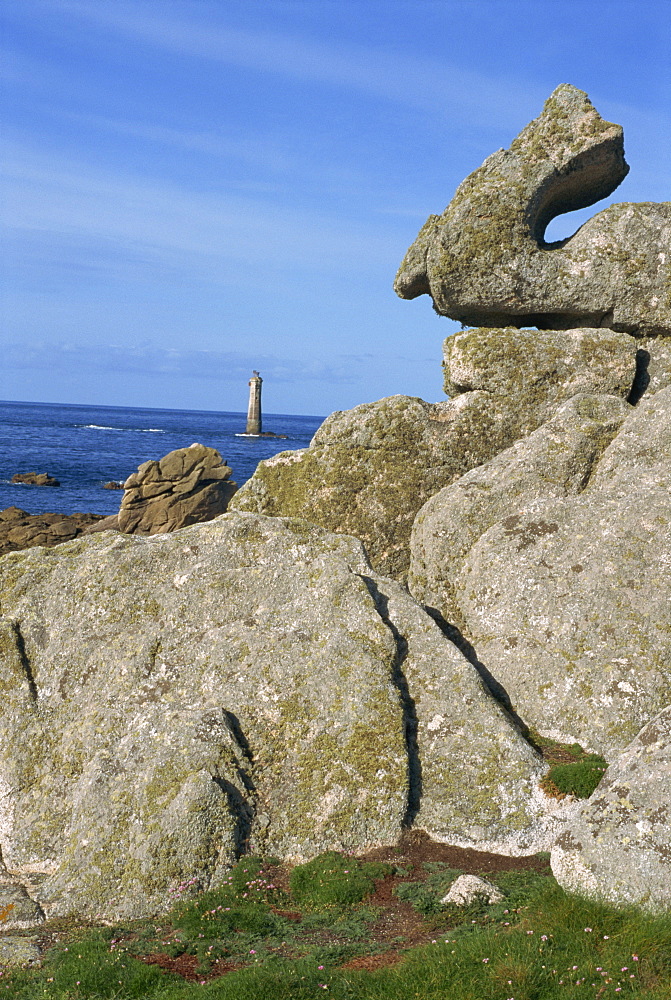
{"x": 55, "y": 198}
{"x": 442, "y": 87}
{"x": 218, "y": 366}
{"x": 250, "y": 149}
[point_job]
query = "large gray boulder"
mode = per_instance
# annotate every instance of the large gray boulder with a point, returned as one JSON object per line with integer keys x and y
{"x": 369, "y": 470}
{"x": 617, "y": 848}
{"x": 553, "y": 561}
{"x": 484, "y": 261}
{"x": 246, "y": 684}
{"x": 554, "y": 461}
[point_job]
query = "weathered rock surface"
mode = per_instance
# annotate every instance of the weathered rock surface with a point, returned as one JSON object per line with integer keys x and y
{"x": 35, "y": 479}
{"x": 16, "y": 951}
{"x": 245, "y": 683}
{"x": 654, "y": 366}
{"x": 468, "y": 888}
{"x": 618, "y": 847}
{"x": 369, "y": 470}
{"x": 554, "y": 461}
{"x": 553, "y": 561}
{"x": 485, "y": 263}
{"x": 186, "y": 486}
{"x": 19, "y": 530}
{"x": 17, "y": 908}
{"x": 536, "y": 370}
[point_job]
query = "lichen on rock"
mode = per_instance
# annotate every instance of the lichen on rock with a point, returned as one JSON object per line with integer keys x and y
{"x": 247, "y": 684}
{"x": 617, "y": 848}
{"x": 369, "y": 470}
{"x": 485, "y": 262}
{"x": 552, "y": 560}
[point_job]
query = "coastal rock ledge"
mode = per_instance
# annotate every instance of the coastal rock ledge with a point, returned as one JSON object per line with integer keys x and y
{"x": 245, "y": 684}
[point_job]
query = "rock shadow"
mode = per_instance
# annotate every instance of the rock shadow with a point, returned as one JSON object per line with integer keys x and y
{"x": 410, "y": 724}
{"x": 492, "y": 685}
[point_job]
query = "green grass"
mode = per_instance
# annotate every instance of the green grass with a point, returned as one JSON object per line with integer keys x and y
{"x": 333, "y": 879}
{"x": 573, "y": 771}
{"x": 579, "y": 779}
{"x": 539, "y": 944}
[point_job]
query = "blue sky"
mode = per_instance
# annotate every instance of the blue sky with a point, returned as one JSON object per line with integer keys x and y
{"x": 196, "y": 188}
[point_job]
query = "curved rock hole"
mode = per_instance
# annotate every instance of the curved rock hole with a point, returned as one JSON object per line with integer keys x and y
{"x": 590, "y": 177}
{"x": 560, "y": 229}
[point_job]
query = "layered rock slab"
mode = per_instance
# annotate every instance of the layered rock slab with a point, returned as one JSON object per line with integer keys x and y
{"x": 617, "y": 848}
{"x": 565, "y": 597}
{"x": 20, "y": 530}
{"x": 537, "y": 370}
{"x": 484, "y": 261}
{"x": 369, "y": 470}
{"x": 184, "y": 487}
{"x": 171, "y": 701}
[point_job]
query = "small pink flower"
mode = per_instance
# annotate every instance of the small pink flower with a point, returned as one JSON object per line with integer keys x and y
{"x": 635, "y": 958}
{"x": 252, "y": 951}
{"x": 588, "y": 930}
{"x": 320, "y": 966}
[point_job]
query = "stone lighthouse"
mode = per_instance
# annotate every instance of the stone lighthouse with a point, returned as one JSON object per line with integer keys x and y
{"x": 254, "y": 409}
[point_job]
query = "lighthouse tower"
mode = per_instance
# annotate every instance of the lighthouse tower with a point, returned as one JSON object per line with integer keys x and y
{"x": 254, "y": 409}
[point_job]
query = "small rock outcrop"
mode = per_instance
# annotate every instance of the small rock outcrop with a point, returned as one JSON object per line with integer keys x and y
{"x": 617, "y": 848}
{"x": 17, "y": 909}
{"x": 485, "y": 262}
{"x": 20, "y": 530}
{"x": 184, "y": 487}
{"x": 251, "y": 684}
{"x": 537, "y": 370}
{"x": 35, "y": 479}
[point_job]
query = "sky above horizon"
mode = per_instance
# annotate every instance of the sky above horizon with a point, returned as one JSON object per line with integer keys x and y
{"x": 193, "y": 189}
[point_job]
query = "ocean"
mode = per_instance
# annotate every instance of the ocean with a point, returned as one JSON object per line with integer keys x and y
{"x": 86, "y": 446}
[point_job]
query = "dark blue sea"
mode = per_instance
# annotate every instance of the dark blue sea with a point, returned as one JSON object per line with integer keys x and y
{"x": 86, "y": 446}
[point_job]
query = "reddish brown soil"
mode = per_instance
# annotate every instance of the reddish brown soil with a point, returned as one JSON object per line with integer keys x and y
{"x": 185, "y": 966}
{"x": 417, "y": 847}
{"x": 370, "y": 962}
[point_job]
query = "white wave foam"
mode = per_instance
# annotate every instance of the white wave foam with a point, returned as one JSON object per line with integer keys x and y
{"x": 130, "y": 430}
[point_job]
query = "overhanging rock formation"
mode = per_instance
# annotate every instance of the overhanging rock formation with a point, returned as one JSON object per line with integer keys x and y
{"x": 484, "y": 261}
